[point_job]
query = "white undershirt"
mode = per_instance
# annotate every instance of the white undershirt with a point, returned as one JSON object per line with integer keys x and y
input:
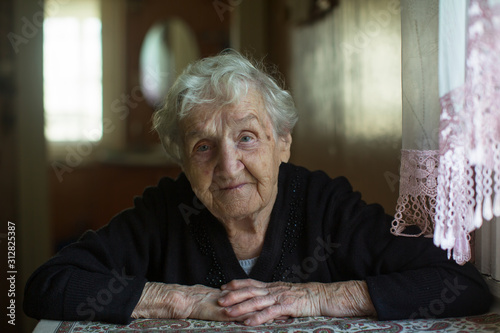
{"x": 248, "y": 264}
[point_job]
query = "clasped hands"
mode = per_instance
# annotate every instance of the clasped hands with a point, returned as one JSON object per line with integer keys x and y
{"x": 253, "y": 302}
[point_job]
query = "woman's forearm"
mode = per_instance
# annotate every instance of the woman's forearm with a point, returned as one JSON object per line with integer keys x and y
{"x": 349, "y": 299}
{"x": 160, "y": 300}
{"x": 174, "y": 301}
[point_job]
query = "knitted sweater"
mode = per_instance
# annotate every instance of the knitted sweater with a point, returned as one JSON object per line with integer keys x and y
{"x": 320, "y": 230}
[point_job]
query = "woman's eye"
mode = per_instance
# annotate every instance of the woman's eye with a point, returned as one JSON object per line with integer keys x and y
{"x": 202, "y": 148}
{"x": 246, "y": 138}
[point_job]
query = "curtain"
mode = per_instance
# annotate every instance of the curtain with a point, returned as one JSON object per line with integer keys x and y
{"x": 448, "y": 192}
{"x": 419, "y": 154}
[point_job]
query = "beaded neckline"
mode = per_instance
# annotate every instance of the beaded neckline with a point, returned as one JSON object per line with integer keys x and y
{"x": 215, "y": 277}
{"x": 293, "y": 230}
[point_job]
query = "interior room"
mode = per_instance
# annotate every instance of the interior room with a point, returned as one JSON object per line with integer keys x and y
{"x": 66, "y": 171}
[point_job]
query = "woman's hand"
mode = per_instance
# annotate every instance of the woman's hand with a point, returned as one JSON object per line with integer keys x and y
{"x": 263, "y": 302}
{"x": 160, "y": 300}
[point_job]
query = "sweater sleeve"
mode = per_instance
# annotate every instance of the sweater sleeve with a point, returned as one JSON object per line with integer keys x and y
{"x": 100, "y": 277}
{"x": 407, "y": 277}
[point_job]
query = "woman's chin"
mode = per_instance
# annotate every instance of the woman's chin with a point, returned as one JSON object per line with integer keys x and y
{"x": 235, "y": 208}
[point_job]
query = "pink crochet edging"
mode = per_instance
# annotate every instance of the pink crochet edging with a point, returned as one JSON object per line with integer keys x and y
{"x": 468, "y": 170}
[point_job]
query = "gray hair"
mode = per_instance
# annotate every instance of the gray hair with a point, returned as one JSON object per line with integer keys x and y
{"x": 218, "y": 81}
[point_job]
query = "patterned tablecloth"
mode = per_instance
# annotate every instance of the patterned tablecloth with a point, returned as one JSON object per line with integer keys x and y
{"x": 484, "y": 323}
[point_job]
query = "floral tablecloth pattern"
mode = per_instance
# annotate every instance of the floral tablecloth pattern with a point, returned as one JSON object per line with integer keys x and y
{"x": 484, "y": 323}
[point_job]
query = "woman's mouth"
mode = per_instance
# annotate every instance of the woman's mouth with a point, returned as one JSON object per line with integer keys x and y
{"x": 233, "y": 187}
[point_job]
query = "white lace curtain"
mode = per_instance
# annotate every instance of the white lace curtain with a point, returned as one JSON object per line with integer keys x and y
{"x": 450, "y": 165}
{"x": 419, "y": 155}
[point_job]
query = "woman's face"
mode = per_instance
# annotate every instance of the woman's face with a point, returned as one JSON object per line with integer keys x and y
{"x": 232, "y": 159}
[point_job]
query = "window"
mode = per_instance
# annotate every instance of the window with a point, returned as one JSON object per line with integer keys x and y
{"x": 73, "y": 71}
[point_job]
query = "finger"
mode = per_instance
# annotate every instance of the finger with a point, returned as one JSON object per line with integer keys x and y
{"x": 224, "y": 316}
{"x": 267, "y": 314}
{"x": 238, "y": 284}
{"x": 237, "y": 296}
{"x": 240, "y": 319}
{"x": 254, "y": 304}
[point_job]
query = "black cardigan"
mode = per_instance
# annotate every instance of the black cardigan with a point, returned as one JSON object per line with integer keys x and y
{"x": 320, "y": 230}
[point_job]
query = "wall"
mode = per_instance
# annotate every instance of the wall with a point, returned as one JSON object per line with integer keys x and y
{"x": 260, "y": 29}
{"x": 23, "y": 176}
{"x": 92, "y": 194}
{"x": 346, "y": 79}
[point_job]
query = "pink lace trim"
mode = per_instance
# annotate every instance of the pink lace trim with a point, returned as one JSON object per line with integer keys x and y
{"x": 417, "y": 192}
{"x": 466, "y": 187}
{"x": 469, "y": 167}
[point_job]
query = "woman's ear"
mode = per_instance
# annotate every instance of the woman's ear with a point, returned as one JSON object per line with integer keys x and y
{"x": 285, "y": 143}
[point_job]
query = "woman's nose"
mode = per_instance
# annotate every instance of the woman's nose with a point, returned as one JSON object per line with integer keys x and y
{"x": 229, "y": 159}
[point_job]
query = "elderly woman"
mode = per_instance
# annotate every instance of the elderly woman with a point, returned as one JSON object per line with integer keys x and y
{"x": 241, "y": 235}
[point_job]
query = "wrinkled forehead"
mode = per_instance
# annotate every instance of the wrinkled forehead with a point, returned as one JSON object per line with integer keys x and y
{"x": 212, "y": 118}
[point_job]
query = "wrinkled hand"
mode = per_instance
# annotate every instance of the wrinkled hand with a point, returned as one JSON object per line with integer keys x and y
{"x": 160, "y": 300}
{"x": 264, "y": 302}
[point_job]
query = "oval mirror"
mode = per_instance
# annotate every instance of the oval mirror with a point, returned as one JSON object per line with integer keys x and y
{"x": 168, "y": 47}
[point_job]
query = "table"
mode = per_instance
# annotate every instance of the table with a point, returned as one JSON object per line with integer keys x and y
{"x": 484, "y": 323}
